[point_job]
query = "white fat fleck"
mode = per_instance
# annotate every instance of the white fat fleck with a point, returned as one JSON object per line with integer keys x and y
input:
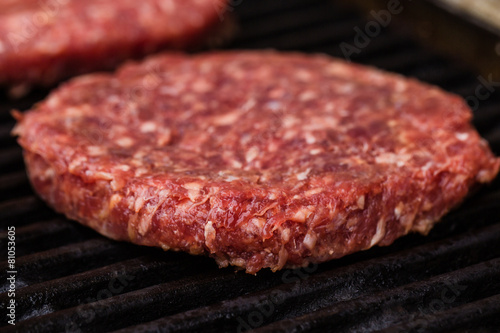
{"x": 361, "y": 202}
{"x": 285, "y": 235}
{"x": 346, "y": 88}
{"x": 115, "y": 198}
{"x": 307, "y": 96}
{"x": 391, "y": 158}
{"x": 143, "y": 226}
{"x": 303, "y": 75}
{"x": 338, "y": 69}
{"x": 201, "y": 86}
{"x": 236, "y": 164}
{"x": 193, "y": 190}
{"x": 462, "y": 136}
{"x": 379, "y": 233}
{"x": 114, "y": 99}
{"x": 320, "y": 123}
{"x": 427, "y": 166}
{"x": 231, "y": 178}
{"x": 316, "y": 151}
{"x": 484, "y": 176}
{"x": 125, "y": 142}
{"x": 399, "y": 209}
{"x": 227, "y": 119}
{"x": 251, "y": 154}
{"x": 423, "y": 226}
{"x": 313, "y": 191}
{"x": 96, "y": 150}
{"x": 248, "y": 104}
{"x": 164, "y": 247}
{"x": 303, "y": 175}
{"x": 301, "y": 215}
{"x": 49, "y": 173}
{"x": 123, "y": 167}
{"x": 274, "y": 105}
{"x": 209, "y": 232}
{"x": 148, "y": 126}
{"x": 164, "y": 137}
{"x": 400, "y": 86}
{"x": 310, "y": 240}
{"x": 74, "y": 112}
{"x": 290, "y": 134}
{"x": 103, "y": 175}
{"x": 170, "y": 90}
{"x": 344, "y": 113}
{"x": 392, "y": 123}
{"x": 289, "y": 121}
{"x": 310, "y": 138}
{"x": 257, "y": 224}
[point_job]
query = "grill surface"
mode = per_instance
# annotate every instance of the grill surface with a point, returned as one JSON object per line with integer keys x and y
{"x": 71, "y": 279}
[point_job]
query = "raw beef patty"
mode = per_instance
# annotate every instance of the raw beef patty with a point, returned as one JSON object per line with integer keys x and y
{"x": 258, "y": 159}
{"x": 42, "y": 42}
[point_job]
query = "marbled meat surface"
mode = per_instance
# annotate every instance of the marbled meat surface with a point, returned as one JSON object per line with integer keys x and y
{"x": 42, "y": 42}
{"x": 258, "y": 159}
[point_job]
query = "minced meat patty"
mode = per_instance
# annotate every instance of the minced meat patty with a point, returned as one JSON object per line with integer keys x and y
{"x": 42, "y": 42}
{"x": 258, "y": 159}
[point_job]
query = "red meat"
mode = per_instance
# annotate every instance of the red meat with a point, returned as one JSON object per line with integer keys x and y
{"x": 258, "y": 159}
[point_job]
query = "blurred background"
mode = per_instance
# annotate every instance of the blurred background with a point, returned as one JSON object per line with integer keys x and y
{"x": 444, "y": 282}
{"x": 465, "y": 30}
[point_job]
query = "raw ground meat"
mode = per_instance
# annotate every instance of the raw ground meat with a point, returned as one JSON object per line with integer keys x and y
{"x": 258, "y": 159}
{"x": 42, "y": 42}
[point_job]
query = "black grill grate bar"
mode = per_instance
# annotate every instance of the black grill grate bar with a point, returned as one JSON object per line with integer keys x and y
{"x": 493, "y": 137}
{"x": 439, "y": 73}
{"x": 100, "y": 283}
{"x": 149, "y": 303}
{"x": 305, "y": 38}
{"x": 377, "y": 47}
{"x": 259, "y": 9}
{"x": 10, "y": 159}
{"x": 322, "y": 290}
{"x": 41, "y": 236}
{"x": 8, "y": 104}
{"x": 25, "y": 209}
{"x": 402, "y": 61}
{"x": 69, "y": 259}
{"x": 481, "y": 210}
{"x": 482, "y": 313}
{"x": 465, "y": 88}
{"x": 487, "y": 116}
{"x": 288, "y": 23}
{"x": 5, "y": 130}
{"x": 13, "y": 180}
{"x": 380, "y": 310}
{"x": 13, "y": 184}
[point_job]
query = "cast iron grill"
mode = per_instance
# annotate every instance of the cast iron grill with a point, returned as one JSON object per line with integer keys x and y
{"x": 71, "y": 279}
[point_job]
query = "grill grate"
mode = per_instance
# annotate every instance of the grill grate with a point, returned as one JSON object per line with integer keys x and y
{"x": 71, "y": 279}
